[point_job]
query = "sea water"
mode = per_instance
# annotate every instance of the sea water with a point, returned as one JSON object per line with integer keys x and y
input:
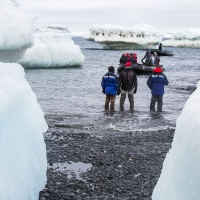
{"x": 75, "y": 93}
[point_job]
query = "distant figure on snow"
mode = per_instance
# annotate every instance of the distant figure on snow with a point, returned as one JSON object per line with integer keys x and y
{"x": 110, "y": 87}
{"x": 156, "y": 83}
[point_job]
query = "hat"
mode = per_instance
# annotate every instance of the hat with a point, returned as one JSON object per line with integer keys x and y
{"x": 157, "y": 70}
{"x": 111, "y": 69}
{"x": 149, "y": 54}
{"x": 154, "y": 53}
{"x": 128, "y": 64}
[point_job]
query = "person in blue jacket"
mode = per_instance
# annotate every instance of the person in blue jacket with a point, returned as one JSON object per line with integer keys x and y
{"x": 110, "y": 87}
{"x": 156, "y": 83}
{"x": 146, "y": 53}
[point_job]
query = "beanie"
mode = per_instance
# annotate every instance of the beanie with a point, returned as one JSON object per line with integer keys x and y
{"x": 128, "y": 64}
{"x": 157, "y": 70}
{"x": 111, "y": 69}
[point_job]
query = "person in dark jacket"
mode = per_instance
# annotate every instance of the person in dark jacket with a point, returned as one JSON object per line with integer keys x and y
{"x": 160, "y": 46}
{"x": 124, "y": 58}
{"x": 133, "y": 59}
{"x": 156, "y": 83}
{"x": 110, "y": 87}
{"x": 156, "y": 59}
{"x": 128, "y": 84}
{"x": 149, "y": 60}
{"x": 145, "y": 56}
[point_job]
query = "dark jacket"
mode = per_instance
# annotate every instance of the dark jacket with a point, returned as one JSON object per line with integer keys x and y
{"x": 149, "y": 61}
{"x": 156, "y": 60}
{"x": 145, "y": 56}
{"x": 156, "y": 83}
{"x": 160, "y": 46}
{"x": 128, "y": 79}
{"x": 110, "y": 83}
{"x": 124, "y": 59}
{"x": 133, "y": 60}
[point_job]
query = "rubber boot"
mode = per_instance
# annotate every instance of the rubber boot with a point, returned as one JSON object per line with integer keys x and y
{"x": 152, "y": 106}
{"x": 112, "y": 103}
{"x": 159, "y": 106}
{"x": 122, "y": 100}
{"x": 107, "y": 103}
{"x": 160, "y": 103}
{"x": 131, "y": 101}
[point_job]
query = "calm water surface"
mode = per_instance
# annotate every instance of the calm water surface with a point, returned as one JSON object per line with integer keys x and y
{"x": 73, "y": 95}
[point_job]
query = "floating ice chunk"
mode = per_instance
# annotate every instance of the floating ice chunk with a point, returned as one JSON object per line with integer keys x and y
{"x": 53, "y": 48}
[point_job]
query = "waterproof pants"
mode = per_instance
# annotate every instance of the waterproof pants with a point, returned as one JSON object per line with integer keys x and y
{"x": 130, "y": 97}
{"x": 159, "y": 100}
{"x": 110, "y": 99}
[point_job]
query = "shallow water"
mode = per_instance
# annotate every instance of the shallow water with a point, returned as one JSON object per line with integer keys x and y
{"x": 73, "y": 96}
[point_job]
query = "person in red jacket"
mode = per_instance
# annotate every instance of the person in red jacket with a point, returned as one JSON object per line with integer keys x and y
{"x": 135, "y": 57}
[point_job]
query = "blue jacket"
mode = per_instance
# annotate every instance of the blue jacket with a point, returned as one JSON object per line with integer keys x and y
{"x": 156, "y": 83}
{"x": 110, "y": 83}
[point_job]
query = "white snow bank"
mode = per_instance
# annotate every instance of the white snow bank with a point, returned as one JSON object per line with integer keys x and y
{"x": 185, "y": 38}
{"x": 141, "y": 33}
{"x": 16, "y": 27}
{"x": 53, "y": 47}
{"x": 22, "y": 148}
{"x": 16, "y": 33}
{"x": 180, "y": 177}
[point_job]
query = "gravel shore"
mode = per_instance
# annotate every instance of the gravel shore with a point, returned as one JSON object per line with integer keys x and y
{"x": 124, "y": 165}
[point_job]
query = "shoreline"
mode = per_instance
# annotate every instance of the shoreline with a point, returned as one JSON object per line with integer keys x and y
{"x": 125, "y": 165}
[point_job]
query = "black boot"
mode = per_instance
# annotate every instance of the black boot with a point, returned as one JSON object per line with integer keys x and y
{"x": 122, "y": 100}
{"x": 131, "y": 101}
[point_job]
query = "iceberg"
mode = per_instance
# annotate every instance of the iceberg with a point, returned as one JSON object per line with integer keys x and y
{"x": 187, "y": 38}
{"x": 22, "y": 148}
{"x": 53, "y": 47}
{"x": 16, "y": 33}
{"x": 139, "y": 36}
{"x": 180, "y": 177}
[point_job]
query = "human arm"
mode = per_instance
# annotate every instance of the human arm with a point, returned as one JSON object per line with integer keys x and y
{"x": 135, "y": 83}
{"x": 149, "y": 81}
{"x": 117, "y": 85}
{"x": 103, "y": 85}
{"x": 166, "y": 82}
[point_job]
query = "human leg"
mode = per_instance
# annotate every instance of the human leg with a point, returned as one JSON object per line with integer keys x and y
{"x": 107, "y": 101}
{"x": 160, "y": 103}
{"x": 153, "y": 102}
{"x": 122, "y": 99}
{"x": 131, "y": 99}
{"x": 112, "y": 102}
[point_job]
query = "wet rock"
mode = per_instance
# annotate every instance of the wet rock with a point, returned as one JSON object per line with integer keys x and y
{"x": 124, "y": 166}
